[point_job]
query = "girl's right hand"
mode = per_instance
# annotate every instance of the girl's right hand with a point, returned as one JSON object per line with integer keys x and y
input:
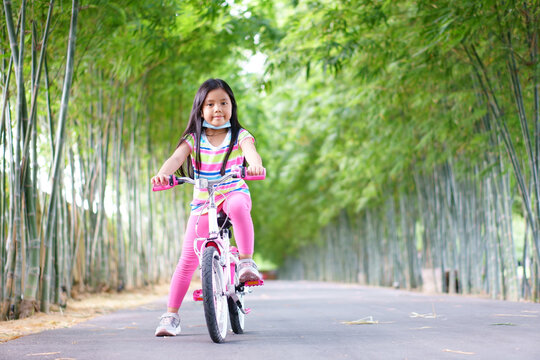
{"x": 160, "y": 179}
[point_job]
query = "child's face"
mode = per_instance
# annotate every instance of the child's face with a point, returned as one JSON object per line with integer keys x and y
{"x": 217, "y": 107}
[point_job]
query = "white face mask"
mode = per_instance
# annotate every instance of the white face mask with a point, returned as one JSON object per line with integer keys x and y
{"x": 208, "y": 125}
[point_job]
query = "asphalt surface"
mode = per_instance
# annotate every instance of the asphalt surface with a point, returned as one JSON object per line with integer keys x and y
{"x": 306, "y": 320}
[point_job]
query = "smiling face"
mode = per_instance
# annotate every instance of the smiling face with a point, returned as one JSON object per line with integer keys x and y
{"x": 217, "y": 107}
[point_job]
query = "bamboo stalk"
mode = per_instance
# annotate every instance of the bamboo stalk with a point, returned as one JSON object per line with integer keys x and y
{"x": 11, "y": 33}
{"x": 74, "y": 238}
{"x": 5, "y": 97}
{"x": 440, "y": 215}
{"x": 12, "y": 224}
{"x": 533, "y": 38}
{"x": 65, "y": 97}
{"x": 96, "y": 247}
{"x": 508, "y": 238}
{"x": 49, "y": 242}
{"x": 48, "y": 106}
{"x": 394, "y": 245}
{"x": 30, "y": 186}
{"x": 121, "y": 276}
{"x": 35, "y": 87}
{"x": 55, "y": 170}
{"x": 150, "y": 243}
{"x": 15, "y": 259}
{"x": 57, "y": 247}
{"x": 410, "y": 248}
{"x": 525, "y": 286}
{"x": 3, "y": 222}
{"x": 3, "y": 192}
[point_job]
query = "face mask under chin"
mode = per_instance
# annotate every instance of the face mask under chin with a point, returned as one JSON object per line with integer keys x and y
{"x": 206, "y": 124}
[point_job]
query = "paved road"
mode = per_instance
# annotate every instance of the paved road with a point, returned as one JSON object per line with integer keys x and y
{"x": 305, "y": 320}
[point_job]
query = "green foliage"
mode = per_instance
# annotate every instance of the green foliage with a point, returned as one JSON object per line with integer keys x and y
{"x": 363, "y": 95}
{"x": 360, "y": 99}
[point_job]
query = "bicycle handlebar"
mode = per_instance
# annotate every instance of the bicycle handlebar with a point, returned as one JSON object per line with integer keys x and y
{"x": 237, "y": 172}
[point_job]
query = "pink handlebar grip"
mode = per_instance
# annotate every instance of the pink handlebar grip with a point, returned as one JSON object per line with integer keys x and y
{"x": 161, "y": 187}
{"x": 242, "y": 173}
{"x": 172, "y": 183}
{"x": 255, "y": 177}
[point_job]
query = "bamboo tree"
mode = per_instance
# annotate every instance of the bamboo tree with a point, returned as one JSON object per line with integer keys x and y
{"x": 9, "y": 244}
{"x": 121, "y": 275}
{"x": 71, "y": 238}
{"x": 4, "y": 218}
{"x": 11, "y": 235}
{"x": 59, "y": 140}
{"x": 35, "y": 86}
{"x": 98, "y": 239}
{"x": 32, "y": 280}
{"x": 3, "y": 200}
{"x": 15, "y": 240}
{"x": 150, "y": 243}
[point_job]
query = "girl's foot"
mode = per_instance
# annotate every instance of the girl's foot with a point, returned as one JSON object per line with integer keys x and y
{"x": 247, "y": 271}
{"x": 169, "y": 325}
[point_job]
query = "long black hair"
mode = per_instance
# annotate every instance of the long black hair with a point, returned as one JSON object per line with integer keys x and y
{"x": 195, "y": 127}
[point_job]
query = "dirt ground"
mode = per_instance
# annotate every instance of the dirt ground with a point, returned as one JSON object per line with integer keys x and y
{"x": 84, "y": 308}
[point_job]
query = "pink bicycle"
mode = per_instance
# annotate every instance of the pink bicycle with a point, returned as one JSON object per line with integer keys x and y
{"x": 222, "y": 294}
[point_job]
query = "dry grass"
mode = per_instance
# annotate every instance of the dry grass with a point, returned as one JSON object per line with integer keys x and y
{"x": 85, "y": 307}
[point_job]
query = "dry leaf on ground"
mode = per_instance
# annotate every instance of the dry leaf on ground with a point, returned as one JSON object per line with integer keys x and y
{"x": 368, "y": 320}
{"x": 458, "y": 352}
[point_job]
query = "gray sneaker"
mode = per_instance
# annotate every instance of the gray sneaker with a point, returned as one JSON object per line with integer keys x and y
{"x": 247, "y": 271}
{"x": 169, "y": 325}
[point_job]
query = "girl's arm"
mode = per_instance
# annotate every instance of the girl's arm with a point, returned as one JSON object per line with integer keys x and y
{"x": 172, "y": 164}
{"x": 252, "y": 156}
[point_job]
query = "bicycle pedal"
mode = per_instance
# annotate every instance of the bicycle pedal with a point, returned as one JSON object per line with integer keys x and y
{"x": 254, "y": 283}
{"x": 197, "y": 295}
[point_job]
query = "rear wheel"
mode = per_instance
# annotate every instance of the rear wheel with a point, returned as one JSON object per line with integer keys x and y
{"x": 214, "y": 297}
{"x": 236, "y": 316}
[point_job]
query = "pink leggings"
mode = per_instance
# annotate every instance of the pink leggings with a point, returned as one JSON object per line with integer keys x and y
{"x": 238, "y": 207}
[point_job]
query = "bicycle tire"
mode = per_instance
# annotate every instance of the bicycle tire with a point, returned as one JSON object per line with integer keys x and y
{"x": 214, "y": 299}
{"x": 235, "y": 315}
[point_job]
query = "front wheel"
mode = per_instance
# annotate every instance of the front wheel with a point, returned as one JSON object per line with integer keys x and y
{"x": 214, "y": 297}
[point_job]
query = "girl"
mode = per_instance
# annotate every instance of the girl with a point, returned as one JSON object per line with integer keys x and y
{"x": 212, "y": 143}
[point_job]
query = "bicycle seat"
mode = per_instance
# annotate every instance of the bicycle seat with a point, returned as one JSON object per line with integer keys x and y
{"x": 223, "y": 221}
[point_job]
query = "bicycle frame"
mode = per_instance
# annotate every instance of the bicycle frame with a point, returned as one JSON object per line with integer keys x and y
{"x": 215, "y": 238}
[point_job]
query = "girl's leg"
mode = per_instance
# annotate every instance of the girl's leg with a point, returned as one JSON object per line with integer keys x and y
{"x": 238, "y": 207}
{"x": 188, "y": 262}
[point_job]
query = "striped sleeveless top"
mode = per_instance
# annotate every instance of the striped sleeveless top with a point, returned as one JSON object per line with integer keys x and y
{"x": 211, "y": 160}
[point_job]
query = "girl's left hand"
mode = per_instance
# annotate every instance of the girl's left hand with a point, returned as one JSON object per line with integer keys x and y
{"x": 255, "y": 170}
